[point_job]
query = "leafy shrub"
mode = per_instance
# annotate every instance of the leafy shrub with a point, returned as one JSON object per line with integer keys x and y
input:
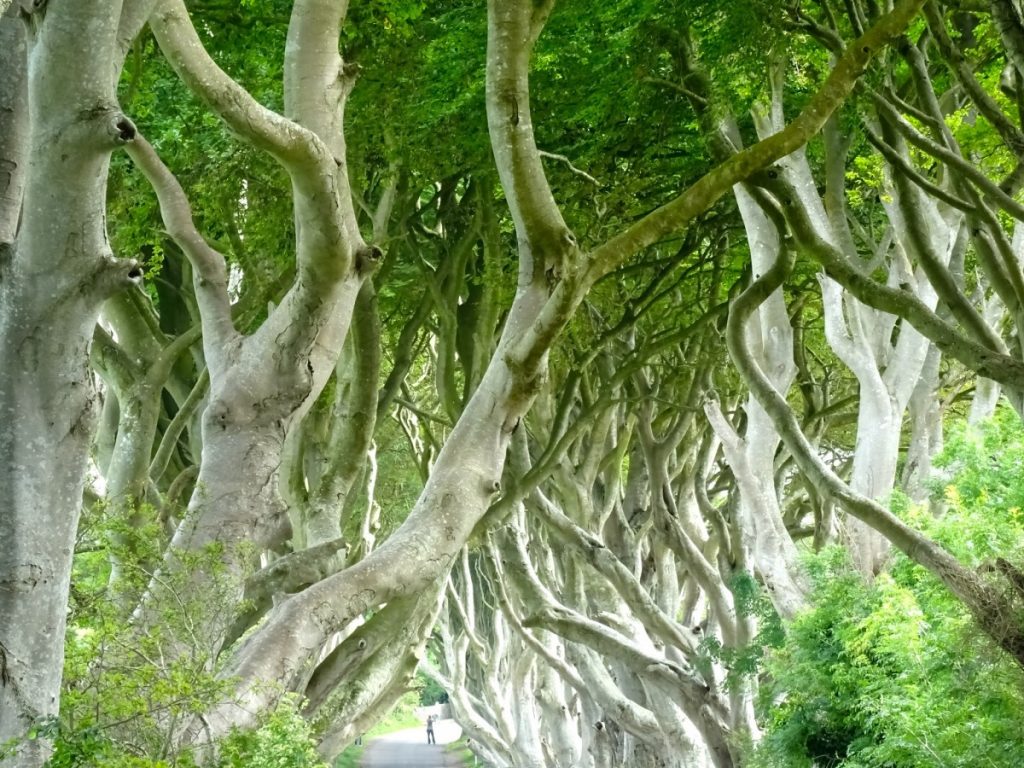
{"x": 895, "y": 674}
{"x": 283, "y": 740}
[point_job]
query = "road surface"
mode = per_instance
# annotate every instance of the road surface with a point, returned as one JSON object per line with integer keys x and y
{"x": 409, "y": 749}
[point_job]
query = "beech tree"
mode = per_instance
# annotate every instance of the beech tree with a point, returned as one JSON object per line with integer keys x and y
{"x": 913, "y": 233}
{"x": 262, "y": 412}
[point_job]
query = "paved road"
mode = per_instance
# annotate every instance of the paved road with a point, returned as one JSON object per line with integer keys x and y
{"x": 409, "y": 749}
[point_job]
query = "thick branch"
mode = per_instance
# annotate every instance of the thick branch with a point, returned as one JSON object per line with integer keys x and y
{"x": 210, "y": 275}
{"x": 185, "y": 413}
{"x": 1010, "y": 134}
{"x": 991, "y": 363}
{"x": 543, "y": 236}
{"x": 962, "y": 582}
{"x": 1007, "y": 21}
{"x": 703, "y": 194}
{"x": 955, "y": 162}
{"x": 293, "y": 145}
{"x": 604, "y": 562}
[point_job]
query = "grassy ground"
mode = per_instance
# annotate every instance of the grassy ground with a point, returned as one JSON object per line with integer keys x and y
{"x": 461, "y": 751}
{"x": 397, "y": 722}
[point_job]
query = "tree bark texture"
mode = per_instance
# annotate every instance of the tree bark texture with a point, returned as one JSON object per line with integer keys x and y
{"x": 52, "y": 284}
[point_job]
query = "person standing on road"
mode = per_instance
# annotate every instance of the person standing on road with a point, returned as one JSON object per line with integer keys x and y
{"x": 430, "y": 730}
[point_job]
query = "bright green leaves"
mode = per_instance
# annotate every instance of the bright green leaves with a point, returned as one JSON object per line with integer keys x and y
{"x": 895, "y": 673}
{"x": 981, "y": 476}
{"x": 743, "y": 663}
{"x": 283, "y": 740}
{"x": 369, "y": 20}
{"x": 128, "y": 693}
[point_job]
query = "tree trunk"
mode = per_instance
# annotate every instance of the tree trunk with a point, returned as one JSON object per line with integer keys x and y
{"x": 51, "y": 289}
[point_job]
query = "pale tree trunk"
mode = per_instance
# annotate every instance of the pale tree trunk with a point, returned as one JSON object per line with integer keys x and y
{"x": 986, "y": 398}
{"x": 484, "y": 726}
{"x": 487, "y": 673}
{"x": 52, "y": 283}
{"x": 889, "y": 375}
{"x": 137, "y": 384}
{"x": 663, "y": 720}
{"x": 771, "y": 551}
{"x": 752, "y": 457}
{"x": 773, "y": 554}
{"x": 564, "y": 742}
{"x": 633, "y": 634}
{"x": 925, "y": 411}
{"x": 361, "y": 679}
{"x": 685, "y": 536}
{"x": 561, "y": 694}
{"x": 263, "y": 384}
{"x": 887, "y": 372}
{"x": 986, "y": 391}
{"x": 323, "y": 469}
{"x": 597, "y": 695}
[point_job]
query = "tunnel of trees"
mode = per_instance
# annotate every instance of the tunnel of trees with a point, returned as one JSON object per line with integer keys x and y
{"x": 649, "y": 374}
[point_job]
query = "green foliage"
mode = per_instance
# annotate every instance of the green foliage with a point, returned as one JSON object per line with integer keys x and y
{"x": 459, "y": 751}
{"x": 982, "y": 478}
{"x": 239, "y": 196}
{"x": 127, "y": 693}
{"x": 431, "y": 691}
{"x": 283, "y": 740}
{"x": 742, "y": 664}
{"x": 350, "y": 757}
{"x": 402, "y": 715}
{"x": 876, "y": 675}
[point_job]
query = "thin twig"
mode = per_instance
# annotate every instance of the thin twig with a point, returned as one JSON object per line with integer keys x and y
{"x": 572, "y": 167}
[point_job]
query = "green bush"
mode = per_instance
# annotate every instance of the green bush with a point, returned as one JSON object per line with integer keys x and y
{"x": 895, "y": 674}
{"x": 283, "y": 740}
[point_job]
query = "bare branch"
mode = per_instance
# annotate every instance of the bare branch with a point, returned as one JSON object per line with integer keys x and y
{"x": 210, "y": 270}
{"x": 573, "y": 168}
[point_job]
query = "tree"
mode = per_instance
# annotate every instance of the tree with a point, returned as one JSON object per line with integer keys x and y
{"x": 265, "y": 375}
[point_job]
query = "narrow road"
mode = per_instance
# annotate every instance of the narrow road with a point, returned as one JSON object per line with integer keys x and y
{"x": 409, "y": 749}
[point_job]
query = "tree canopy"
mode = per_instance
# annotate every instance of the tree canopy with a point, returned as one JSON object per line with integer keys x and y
{"x": 647, "y": 374}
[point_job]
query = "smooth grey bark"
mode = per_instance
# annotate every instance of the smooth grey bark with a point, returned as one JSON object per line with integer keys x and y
{"x": 987, "y": 392}
{"x": 51, "y": 288}
{"x": 587, "y": 670}
{"x": 609, "y": 588}
{"x": 887, "y": 372}
{"x": 263, "y": 384}
{"x": 925, "y": 411}
{"x": 605, "y": 600}
{"x": 326, "y": 455}
{"x": 13, "y": 122}
{"x": 773, "y": 554}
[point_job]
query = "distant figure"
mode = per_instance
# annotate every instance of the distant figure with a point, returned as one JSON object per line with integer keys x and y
{"x": 430, "y": 729}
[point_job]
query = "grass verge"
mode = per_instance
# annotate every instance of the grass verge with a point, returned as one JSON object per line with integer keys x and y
{"x": 463, "y": 753}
